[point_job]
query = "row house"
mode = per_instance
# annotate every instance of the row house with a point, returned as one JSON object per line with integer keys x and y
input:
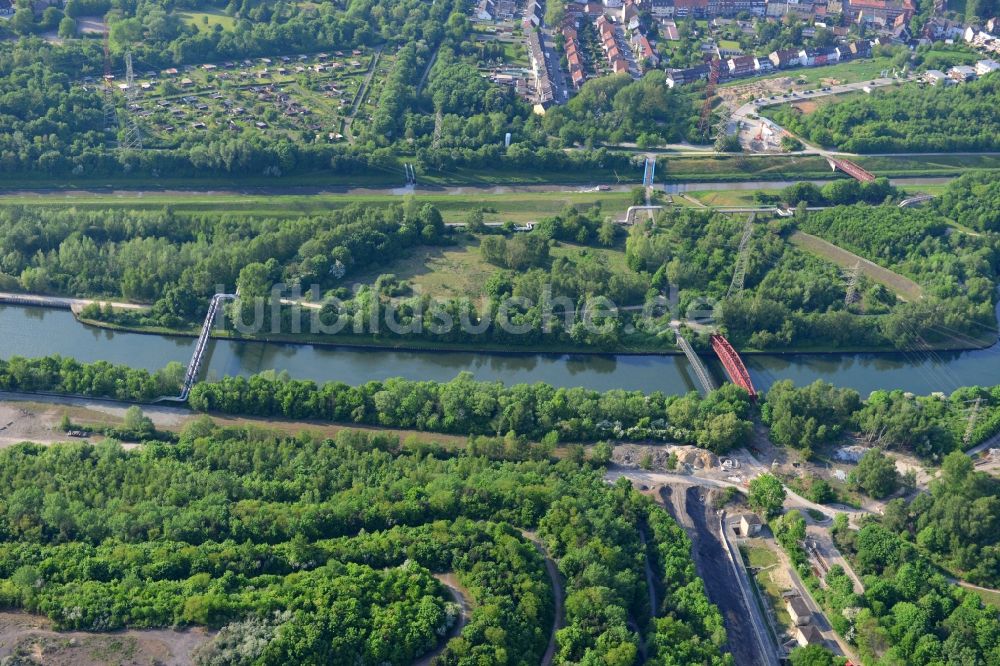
{"x": 679, "y": 77}
{"x": 574, "y": 60}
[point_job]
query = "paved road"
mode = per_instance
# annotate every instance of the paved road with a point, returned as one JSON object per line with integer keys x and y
{"x": 819, "y": 617}
{"x": 63, "y": 302}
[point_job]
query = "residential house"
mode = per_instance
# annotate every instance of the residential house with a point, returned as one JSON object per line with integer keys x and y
{"x": 741, "y": 66}
{"x": 7, "y": 8}
{"x": 828, "y": 56}
{"x": 987, "y": 66}
{"x": 879, "y": 12}
{"x": 486, "y": 10}
{"x": 643, "y": 50}
{"x": 785, "y": 58}
{"x": 962, "y": 73}
{"x": 936, "y": 77}
{"x": 807, "y": 57}
{"x": 762, "y": 65}
{"x": 661, "y": 8}
{"x": 690, "y": 8}
{"x": 677, "y": 77}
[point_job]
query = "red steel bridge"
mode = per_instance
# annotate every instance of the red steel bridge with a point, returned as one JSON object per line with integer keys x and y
{"x": 733, "y": 364}
{"x": 851, "y": 169}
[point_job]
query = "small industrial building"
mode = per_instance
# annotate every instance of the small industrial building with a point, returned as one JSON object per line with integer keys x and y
{"x": 808, "y": 635}
{"x": 750, "y": 524}
{"x": 798, "y": 611}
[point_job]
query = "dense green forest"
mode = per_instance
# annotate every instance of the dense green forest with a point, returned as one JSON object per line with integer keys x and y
{"x": 956, "y": 524}
{"x": 279, "y": 544}
{"x": 972, "y": 200}
{"x": 541, "y": 294}
{"x": 909, "y": 612}
{"x": 906, "y": 119}
{"x": 176, "y": 262}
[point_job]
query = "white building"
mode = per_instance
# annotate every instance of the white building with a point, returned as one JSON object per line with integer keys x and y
{"x": 987, "y": 66}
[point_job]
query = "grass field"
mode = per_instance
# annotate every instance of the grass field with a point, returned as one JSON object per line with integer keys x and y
{"x": 734, "y": 168}
{"x": 206, "y": 20}
{"x": 902, "y": 286}
{"x": 459, "y": 270}
{"x": 845, "y": 72}
{"x": 723, "y": 197}
{"x": 443, "y": 272}
{"x": 770, "y": 578}
{"x": 990, "y": 598}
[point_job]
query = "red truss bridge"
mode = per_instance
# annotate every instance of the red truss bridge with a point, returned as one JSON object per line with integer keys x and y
{"x": 733, "y": 364}
{"x": 851, "y": 169}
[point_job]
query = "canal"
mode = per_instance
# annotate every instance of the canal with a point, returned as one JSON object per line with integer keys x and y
{"x": 29, "y": 331}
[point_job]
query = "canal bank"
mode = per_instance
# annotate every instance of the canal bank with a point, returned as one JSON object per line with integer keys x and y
{"x": 30, "y": 332}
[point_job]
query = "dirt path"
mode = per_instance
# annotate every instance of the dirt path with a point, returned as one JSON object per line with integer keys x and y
{"x": 460, "y": 596}
{"x": 558, "y": 594}
{"x": 650, "y": 580}
{"x": 21, "y": 633}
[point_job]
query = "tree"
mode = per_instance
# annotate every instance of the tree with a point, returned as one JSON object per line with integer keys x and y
{"x": 67, "y": 28}
{"x": 767, "y": 495}
{"x": 137, "y": 422}
{"x": 875, "y": 474}
{"x": 812, "y": 655}
{"x": 601, "y": 453}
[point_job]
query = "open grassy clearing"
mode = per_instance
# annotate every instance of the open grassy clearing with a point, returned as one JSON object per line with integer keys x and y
{"x": 989, "y": 597}
{"x": 772, "y": 580}
{"x": 441, "y": 271}
{"x": 735, "y": 168}
{"x": 740, "y": 167}
{"x": 459, "y": 270}
{"x": 206, "y": 20}
{"x": 902, "y": 286}
{"x": 723, "y": 197}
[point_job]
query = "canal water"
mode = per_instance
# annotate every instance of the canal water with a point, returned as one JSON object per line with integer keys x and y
{"x": 30, "y": 331}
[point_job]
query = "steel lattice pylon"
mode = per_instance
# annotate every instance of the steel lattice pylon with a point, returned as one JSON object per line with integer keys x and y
{"x": 740, "y": 270}
{"x": 133, "y": 137}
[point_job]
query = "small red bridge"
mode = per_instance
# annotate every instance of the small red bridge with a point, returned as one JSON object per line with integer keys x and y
{"x": 733, "y": 364}
{"x": 851, "y": 169}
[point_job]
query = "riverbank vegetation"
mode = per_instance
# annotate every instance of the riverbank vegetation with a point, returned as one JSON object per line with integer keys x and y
{"x": 274, "y": 542}
{"x": 571, "y": 281}
{"x": 462, "y": 406}
{"x": 930, "y": 427}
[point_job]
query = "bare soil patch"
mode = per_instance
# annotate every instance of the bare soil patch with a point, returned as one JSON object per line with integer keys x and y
{"x": 31, "y": 639}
